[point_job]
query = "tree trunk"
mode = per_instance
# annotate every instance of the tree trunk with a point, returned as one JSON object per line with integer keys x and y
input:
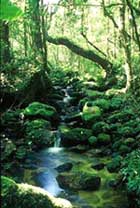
{"x": 5, "y": 43}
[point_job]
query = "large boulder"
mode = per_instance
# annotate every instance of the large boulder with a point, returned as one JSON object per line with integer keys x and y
{"x": 79, "y": 180}
{"x": 75, "y": 136}
{"x": 24, "y": 195}
{"x": 90, "y": 113}
{"x": 38, "y": 132}
{"x": 64, "y": 167}
{"x": 40, "y": 110}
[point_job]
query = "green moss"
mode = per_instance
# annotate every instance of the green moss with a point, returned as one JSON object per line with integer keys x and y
{"x": 104, "y": 138}
{"x": 115, "y": 164}
{"x": 90, "y": 113}
{"x": 24, "y": 195}
{"x": 37, "y": 109}
{"x": 102, "y": 103}
{"x": 116, "y": 102}
{"x": 125, "y": 130}
{"x": 100, "y": 126}
{"x": 75, "y": 136}
{"x": 92, "y": 94}
{"x": 37, "y": 132}
{"x": 93, "y": 140}
{"x": 123, "y": 149}
{"x": 8, "y": 185}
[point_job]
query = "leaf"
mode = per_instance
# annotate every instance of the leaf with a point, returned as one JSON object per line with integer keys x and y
{"x": 9, "y": 11}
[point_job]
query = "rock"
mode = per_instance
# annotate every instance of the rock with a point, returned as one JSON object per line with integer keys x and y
{"x": 79, "y": 148}
{"x": 21, "y": 152}
{"x": 74, "y": 136}
{"x": 64, "y": 167}
{"x": 126, "y": 131}
{"x": 93, "y": 94}
{"x": 9, "y": 148}
{"x": 24, "y": 195}
{"x": 116, "y": 103}
{"x": 104, "y": 139}
{"x": 74, "y": 117}
{"x": 79, "y": 180}
{"x": 104, "y": 104}
{"x": 90, "y": 182}
{"x": 40, "y": 110}
{"x": 100, "y": 126}
{"x": 98, "y": 166}
{"x": 90, "y": 113}
{"x": 93, "y": 141}
{"x": 129, "y": 141}
{"x": 82, "y": 102}
{"x": 38, "y": 132}
{"x": 124, "y": 149}
{"x": 115, "y": 164}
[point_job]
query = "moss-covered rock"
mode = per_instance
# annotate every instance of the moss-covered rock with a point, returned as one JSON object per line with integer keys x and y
{"x": 79, "y": 180}
{"x": 75, "y": 136}
{"x": 40, "y": 110}
{"x": 8, "y": 147}
{"x": 125, "y": 131}
{"x": 104, "y": 139}
{"x": 121, "y": 116}
{"x": 102, "y": 103}
{"x": 91, "y": 113}
{"x": 93, "y": 141}
{"x": 93, "y": 94}
{"x": 116, "y": 103}
{"x": 38, "y": 132}
{"x": 100, "y": 126}
{"x": 24, "y": 195}
{"x": 115, "y": 164}
{"x": 123, "y": 149}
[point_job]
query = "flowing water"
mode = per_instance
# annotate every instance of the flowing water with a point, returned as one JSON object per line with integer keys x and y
{"x": 42, "y": 172}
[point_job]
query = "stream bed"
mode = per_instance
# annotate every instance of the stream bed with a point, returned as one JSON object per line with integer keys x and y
{"x": 40, "y": 170}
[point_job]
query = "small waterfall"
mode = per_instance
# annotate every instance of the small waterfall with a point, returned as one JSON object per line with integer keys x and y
{"x": 67, "y": 98}
{"x": 57, "y": 139}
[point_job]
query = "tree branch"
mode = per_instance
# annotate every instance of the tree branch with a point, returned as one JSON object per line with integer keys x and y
{"x": 90, "y": 43}
{"x": 88, "y": 54}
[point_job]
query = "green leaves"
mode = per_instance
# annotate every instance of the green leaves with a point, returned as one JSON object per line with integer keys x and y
{"x": 9, "y": 11}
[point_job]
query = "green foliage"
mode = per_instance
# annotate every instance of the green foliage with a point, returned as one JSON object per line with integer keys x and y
{"x": 9, "y": 11}
{"x": 8, "y": 185}
{"x": 131, "y": 173}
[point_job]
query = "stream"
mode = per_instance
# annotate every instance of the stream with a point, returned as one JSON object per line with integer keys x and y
{"x": 40, "y": 170}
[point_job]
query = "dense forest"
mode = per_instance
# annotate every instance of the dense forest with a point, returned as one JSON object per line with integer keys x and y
{"x": 70, "y": 103}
